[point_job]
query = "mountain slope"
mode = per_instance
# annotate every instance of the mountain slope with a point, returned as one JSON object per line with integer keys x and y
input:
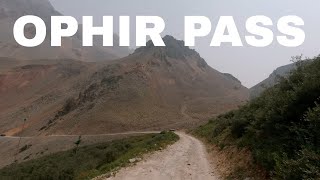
{"x": 154, "y": 88}
{"x": 33, "y": 89}
{"x": 71, "y": 47}
{"x": 272, "y": 80}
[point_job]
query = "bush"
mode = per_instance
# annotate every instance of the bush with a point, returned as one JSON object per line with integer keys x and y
{"x": 305, "y": 166}
{"x": 281, "y": 127}
{"x": 238, "y": 127}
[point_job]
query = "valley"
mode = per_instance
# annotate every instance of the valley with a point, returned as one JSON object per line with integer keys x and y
{"x": 155, "y": 112}
{"x": 152, "y": 90}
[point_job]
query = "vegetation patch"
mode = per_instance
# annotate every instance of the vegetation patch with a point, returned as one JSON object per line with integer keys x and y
{"x": 24, "y": 148}
{"x": 88, "y": 161}
{"x": 281, "y": 127}
{"x": 231, "y": 161}
{"x": 111, "y": 82}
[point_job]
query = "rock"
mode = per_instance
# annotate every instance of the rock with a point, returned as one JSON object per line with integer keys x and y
{"x": 133, "y": 160}
{"x": 108, "y": 175}
{"x": 104, "y": 176}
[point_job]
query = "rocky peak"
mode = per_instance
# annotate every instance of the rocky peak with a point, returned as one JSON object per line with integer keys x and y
{"x": 174, "y": 49}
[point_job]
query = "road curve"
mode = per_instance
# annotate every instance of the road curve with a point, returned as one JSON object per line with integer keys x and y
{"x": 185, "y": 160}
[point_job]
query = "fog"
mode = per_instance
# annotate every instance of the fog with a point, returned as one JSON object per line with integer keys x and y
{"x": 249, "y": 64}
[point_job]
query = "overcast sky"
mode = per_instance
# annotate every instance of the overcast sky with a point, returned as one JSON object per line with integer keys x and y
{"x": 250, "y": 65}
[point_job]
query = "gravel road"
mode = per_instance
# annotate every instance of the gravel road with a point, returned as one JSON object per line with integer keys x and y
{"x": 186, "y": 160}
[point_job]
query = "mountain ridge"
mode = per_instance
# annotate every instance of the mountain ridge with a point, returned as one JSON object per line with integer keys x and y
{"x": 283, "y": 71}
{"x": 147, "y": 90}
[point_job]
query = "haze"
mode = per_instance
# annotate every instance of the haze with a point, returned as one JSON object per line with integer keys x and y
{"x": 249, "y": 64}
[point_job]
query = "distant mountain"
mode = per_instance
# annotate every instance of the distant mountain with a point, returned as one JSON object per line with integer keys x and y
{"x": 232, "y": 77}
{"x": 154, "y": 88}
{"x": 71, "y": 48}
{"x": 282, "y": 71}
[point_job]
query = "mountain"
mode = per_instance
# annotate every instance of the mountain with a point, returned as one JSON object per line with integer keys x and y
{"x": 11, "y": 10}
{"x": 282, "y": 71}
{"x": 152, "y": 89}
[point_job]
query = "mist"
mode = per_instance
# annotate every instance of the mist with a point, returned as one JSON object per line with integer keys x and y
{"x": 249, "y": 64}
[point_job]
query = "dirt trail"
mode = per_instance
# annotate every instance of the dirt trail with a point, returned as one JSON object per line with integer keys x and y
{"x": 184, "y": 113}
{"x": 186, "y": 159}
{"x": 86, "y": 135}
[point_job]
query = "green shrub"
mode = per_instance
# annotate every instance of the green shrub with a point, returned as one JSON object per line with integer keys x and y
{"x": 304, "y": 166}
{"x": 281, "y": 127}
{"x": 238, "y": 127}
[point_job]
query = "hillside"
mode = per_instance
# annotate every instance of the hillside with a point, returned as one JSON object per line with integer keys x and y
{"x": 280, "y": 127}
{"x": 153, "y": 89}
{"x": 272, "y": 80}
{"x": 87, "y": 161}
{"x": 32, "y": 89}
{"x": 71, "y": 47}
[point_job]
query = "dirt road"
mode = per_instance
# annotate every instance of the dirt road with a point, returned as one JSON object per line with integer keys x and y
{"x": 185, "y": 160}
{"x": 85, "y": 135}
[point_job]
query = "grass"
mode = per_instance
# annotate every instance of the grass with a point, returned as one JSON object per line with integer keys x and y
{"x": 88, "y": 161}
{"x": 214, "y": 132}
{"x": 204, "y": 131}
